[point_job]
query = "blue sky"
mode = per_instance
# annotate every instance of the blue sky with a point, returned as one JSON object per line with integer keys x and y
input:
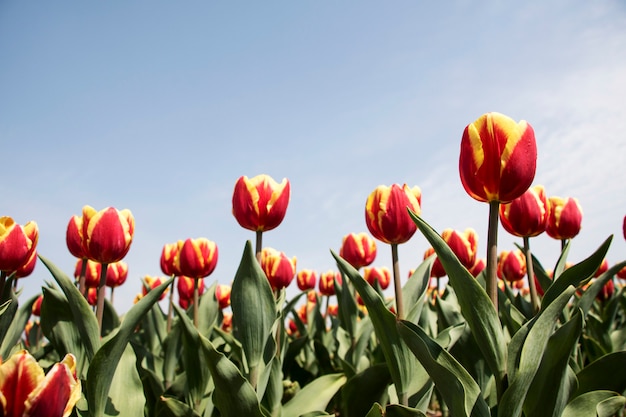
{"x": 159, "y": 107}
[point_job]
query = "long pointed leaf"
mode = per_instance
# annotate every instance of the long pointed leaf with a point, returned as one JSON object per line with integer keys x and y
{"x": 314, "y": 396}
{"x": 587, "y": 404}
{"x": 16, "y": 327}
{"x": 601, "y": 374}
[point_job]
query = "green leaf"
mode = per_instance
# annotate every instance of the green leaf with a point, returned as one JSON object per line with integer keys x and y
{"x": 475, "y": 304}
{"x": 171, "y": 407}
{"x": 588, "y": 404}
{"x": 586, "y": 300}
{"x": 347, "y": 309}
{"x": 533, "y": 348}
{"x": 459, "y": 391}
{"x": 81, "y": 313}
{"x": 601, "y": 374}
{"x": 254, "y": 310}
{"x": 401, "y": 362}
{"x": 126, "y": 393}
{"x": 576, "y": 274}
{"x": 414, "y": 291}
{"x": 208, "y": 311}
{"x": 550, "y": 389}
{"x": 365, "y": 389}
{"x": 314, "y": 396}
{"x": 16, "y": 328}
{"x": 106, "y": 359}
{"x": 395, "y": 410}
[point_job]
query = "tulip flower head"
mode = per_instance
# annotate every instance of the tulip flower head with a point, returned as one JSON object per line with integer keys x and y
{"x": 168, "y": 259}
{"x": 28, "y": 268}
{"x": 279, "y": 269}
{"x": 107, "y": 234}
{"x": 564, "y": 221}
{"x": 478, "y": 267}
{"x": 17, "y": 243}
{"x": 74, "y": 237}
{"x": 511, "y": 265}
{"x": 327, "y": 282}
{"x": 358, "y": 249}
{"x": 185, "y": 285}
{"x": 117, "y": 272}
{"x": 36, "y": 308}
{"x": 463, "y": 244}
{"x": 371, "y": 274}
{"x": 527, "y": 215}
{"x": 604, "y": 266}
{"x": 222, "y": 294}
{"x": 260, "y": 203}
{"x": 498, "y": 158}
{"x": 92, "y": 272}
{"x": 25, "y": 390}
{"x": 306, "y": 279}
{"x": 197, "y": 258}
{"x": 386, "y": 213}
{"x": 150, "y": 283}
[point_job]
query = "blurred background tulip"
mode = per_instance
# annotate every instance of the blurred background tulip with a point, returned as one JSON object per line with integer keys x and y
{"x": 565, "y": 219}
{"x": 511, "y": 265}
{"x": 90, "y": 271}
{"x": 306, "y": 279}
{"x": 327, "y": 282}
{"x": 358, "y": 249}
{"x": 497, "y": 164}
{"x": 279, "y": 269}
{"x": 168, "y": 259}
{"x": 222, "y": 294}
{"x": 380, "y": 274}
{"x": 117, "y": 272}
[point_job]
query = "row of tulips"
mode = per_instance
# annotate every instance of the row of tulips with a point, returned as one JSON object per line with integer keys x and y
{"x": 473, "y": 347}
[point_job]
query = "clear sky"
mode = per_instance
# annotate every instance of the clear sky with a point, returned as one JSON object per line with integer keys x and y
{"x": 160, "y": 106}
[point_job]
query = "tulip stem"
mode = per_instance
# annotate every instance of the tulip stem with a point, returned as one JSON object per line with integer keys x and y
{"x": 170, "y": 306}
{"x": 492, "y": 253}
{"x": 259, "y": 245}
{"x": 396, "y": 281}
{"x": 81, "y": 278}
{"x": 195, "y": 302}
{"x": 531, "y": 275}
{"x": 101, "y": 295}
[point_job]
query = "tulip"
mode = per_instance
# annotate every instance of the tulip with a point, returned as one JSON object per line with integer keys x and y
{"x": 197, "y": 258}
{"x": 358, "y": 249}
{"x": 25, "y": 390}
{"x": 622, "y": 273}
{"x": 327, "y": 282}
{"x": 371, "y": 274}
{"x": 260, "y": 204}
{"x": 279, "y": 269}
{"x": 17, "y": 243}
{"x": 478, "y": 267}
{"x": 604, "y": 266}
{"x": 512, "y": 265}
{"x": 222, "y": 294}
{"x": 36, "y": 308}
{"x": 168, "y": 259}
{"x": 606, "y": 292}
{"x": 306, "y": 279}
{"x": 497, "y": 164}
{"x": 565, "y": 218}
{"x": 149, "y": 283}
{"x": 185, "y": 286}
{"x": 92, "y": 296}
{"x": 117, "y": 273}
{"x": 74, "y": 237}
{"x": 227, "y": 322}
{"x": 107, "y": 234}
{"x": 91, "y": 272}
{"x": 28, "y": 268}
{"x": 388, "y": 220}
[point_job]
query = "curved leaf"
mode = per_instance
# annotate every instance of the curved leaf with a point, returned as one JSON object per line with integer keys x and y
{"x": 586, "y": 300}
{"x": 588, "y": 404}
{"x": 16, "y": 327}
{"x": 601, "y": 375}
{"x": 314, "y": 396}
{"x": 365, "y": 389}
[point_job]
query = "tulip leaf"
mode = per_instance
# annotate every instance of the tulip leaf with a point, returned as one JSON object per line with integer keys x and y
{"x": 402, "y": 364}
{"x": 16, "y": 327}
{"x": 364, "y": 389}
{"x": 475, "y": 304}
{"x": 105, "y": 361}
{"x": 314, "y": 396}
{"x": 82, "y": 314}
{"x": 550, "y": 390}
{"x": 126, "y": 395}
{"x": 254, "y": 310}
{"x": 601, "y": 374}
{"x": 456, "y": 386}
{"x": 208, "y": 311}
{"x": 533, "y": 348}
{"x": 576, "y": 274}
{"x": 588, "y": 297}
{"x": 171, "y": 407}
{"x": 594, "y": 403}
{"x": 415, "y": 288}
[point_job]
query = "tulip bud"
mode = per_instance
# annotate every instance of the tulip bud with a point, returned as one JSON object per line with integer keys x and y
{"x": 306, "y": 279}
{"x": 92, "y": 296}
{"x": 386, "y": 212}
{"x": 260, "y": 203}
{"x": 327, "y": 282}
{"x": 150, "y": 283}
{"x": 117, "y": 272}
{"x": 222, "y": 294}
{"x": 197, "y": 258}
{"x": 107, "y": 234}
{"x": 564, "y": 221}
{"x": 604, "y": 266}
{"x": 279, "y": 269}
{"x": 17, "y": 243}
{"x": 478, "y": 267}
{"x": 36, "y": 308}
{"x": 358, "y": 249}
{"x": 92, "y": 272}
{"x": 498, "y": 158}
{"x": 74, "y": 237}
{"x": 527, "y": 215}
{"x": 185, "y": 285}
{"x": 381, "y": 274}
{"x": 168, "y": 259}
{"x": 511, "y": 265}
{"x": 463, "y": 244}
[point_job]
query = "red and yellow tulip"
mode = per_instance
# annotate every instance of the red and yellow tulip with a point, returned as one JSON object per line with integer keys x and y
{"x": 74, "y": 237}
{"x": 196, "y": 258}
{"x": 565, "y": 218}
{"x": 222, "y": 294}
{"x": 327, "y": 282}
{"x": 17, "y": 243}
{"x": 306, "y": 279}
{"x": 92, "y": 272}
{"x": 150, "y": 282}
{"x": 382, "y": 274}
{"x": 386, "y": 213}
{"x": 527, "y": 215}
{"x": 28, "y": 268}
{"x": 260, "y": 203}
{"x": 279, "y": 269}
{"x": 185, "y": 285}
{"x": 168, "y": 259}
{"x": 117, "y": 272}
{"x": 498, "y": 158}
{"x": 107, "y": 234}
{"x": 358, "y": 249}
{"x": 25, "y": 390}
{"x": 511, "y": 265}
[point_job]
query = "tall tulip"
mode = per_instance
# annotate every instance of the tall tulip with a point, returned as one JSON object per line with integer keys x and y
{"x": 279, "y": 269}
{"x": 497, "y": 164}
{"x": 17, "y": 244}
{"x": 358, "y": 249}
{"x": 107, "y": 235}
{"x": 388, "y": 220}
{"x": 526, "y": 217}
{"x": 260, "y": 204}
{"x": 565, "y": 218}
{"x": 196, "y": 258}
{"x": 25, "y": 390}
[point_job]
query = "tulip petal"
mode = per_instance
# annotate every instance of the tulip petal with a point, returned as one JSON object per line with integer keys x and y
{"x": 19, "y": 376}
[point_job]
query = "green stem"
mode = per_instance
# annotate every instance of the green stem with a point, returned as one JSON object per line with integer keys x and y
{"x": 81, "y": 279}
{"x": 492, "y": 253}
{"x": 531, "y": 275}
{"x": 259, "y": 245}
{"x": 195, "y": 302}
{"x": 101, "y": 295}
{"x": 170, "y": 306}
{"x": 396, "y": 281}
